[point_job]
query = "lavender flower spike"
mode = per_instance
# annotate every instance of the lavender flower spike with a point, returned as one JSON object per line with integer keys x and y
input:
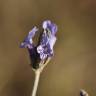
{"x": 40, "y": 54}
{"x": 28, "y": 42}
{"x": 45, "y": 49}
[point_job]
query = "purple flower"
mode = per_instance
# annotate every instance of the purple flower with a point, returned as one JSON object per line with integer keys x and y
{"x": 44, "y": 48}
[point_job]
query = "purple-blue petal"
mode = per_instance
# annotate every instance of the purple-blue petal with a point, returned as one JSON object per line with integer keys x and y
{"x": 44, "y": 52}
{"x": 32, "y": 32}
{"x": 48, "y": 25}
{"x": 53, "y": 29}
{"x": 28, "y": 42}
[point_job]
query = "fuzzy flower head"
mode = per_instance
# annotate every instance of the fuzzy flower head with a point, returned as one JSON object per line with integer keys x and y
{"x": 44, "y": 48}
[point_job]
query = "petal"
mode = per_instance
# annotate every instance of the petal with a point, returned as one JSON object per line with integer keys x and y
{"x": 53, "y": 29}
{"x": 52, "y": 41}
{"x": 43, "y": 56}
{"x": 32, "y": 32}
{"x": 41, "y": 51}
{"x": 48, "y": 25}
{"x": 28, "y": 42}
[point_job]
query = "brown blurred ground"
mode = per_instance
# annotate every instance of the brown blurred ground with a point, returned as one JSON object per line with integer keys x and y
{"x": 74, "y": 64}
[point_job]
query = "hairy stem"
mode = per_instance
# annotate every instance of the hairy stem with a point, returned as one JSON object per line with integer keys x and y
{"x": 37, "y": 76}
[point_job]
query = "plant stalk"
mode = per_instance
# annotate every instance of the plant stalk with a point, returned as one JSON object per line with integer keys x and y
{"x": 36, "y": 81}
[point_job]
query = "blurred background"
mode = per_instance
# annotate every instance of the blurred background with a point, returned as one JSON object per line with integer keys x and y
{"x": 74, "y": 65}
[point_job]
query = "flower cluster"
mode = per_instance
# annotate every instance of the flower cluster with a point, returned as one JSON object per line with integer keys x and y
{"x": 44, "y": 49}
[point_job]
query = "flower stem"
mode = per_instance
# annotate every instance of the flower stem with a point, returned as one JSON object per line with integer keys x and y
{"x": 37, "y": 76}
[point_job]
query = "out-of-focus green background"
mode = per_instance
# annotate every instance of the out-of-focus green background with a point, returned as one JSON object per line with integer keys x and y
{"x": 74, "y": 65}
